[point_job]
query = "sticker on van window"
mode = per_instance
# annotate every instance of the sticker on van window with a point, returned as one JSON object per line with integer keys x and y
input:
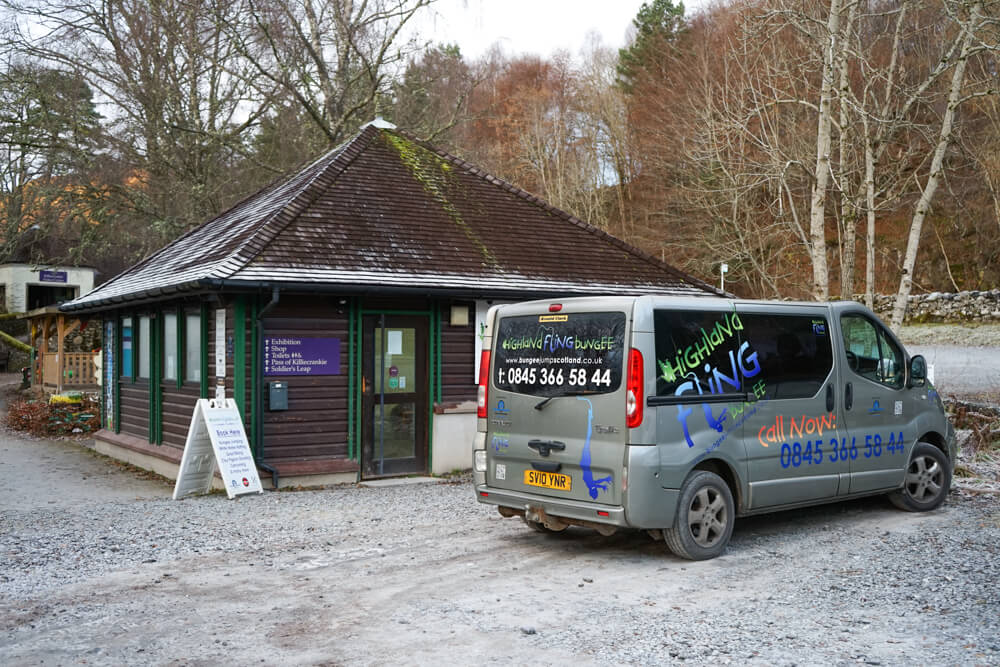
{"x": 560, "y": 355}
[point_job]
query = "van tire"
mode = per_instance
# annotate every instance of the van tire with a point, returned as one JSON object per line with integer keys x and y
{"x": 704, "y": 519}
{"x": 927, "y": 481}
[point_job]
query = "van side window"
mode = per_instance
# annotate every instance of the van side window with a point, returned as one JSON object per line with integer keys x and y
{"x": 794, "y": 350}
{"x": 699, "y": 352}
{"x": 871, "y": 353}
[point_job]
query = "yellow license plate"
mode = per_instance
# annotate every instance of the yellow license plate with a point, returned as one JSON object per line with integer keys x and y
{"x": 548, "y": 480}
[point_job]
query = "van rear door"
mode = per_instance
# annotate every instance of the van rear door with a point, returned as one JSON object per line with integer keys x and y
{"x": 557, "y": 403}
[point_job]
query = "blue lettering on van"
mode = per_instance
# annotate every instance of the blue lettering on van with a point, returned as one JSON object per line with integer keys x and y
{"x": 795, "y": 454}
{"x": 500, "y": 441}
{"x": 593, "y": 485}
{"x": 748, "y": 367}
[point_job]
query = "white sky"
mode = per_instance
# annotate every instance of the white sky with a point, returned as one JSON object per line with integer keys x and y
{"x": 537, "y": 27}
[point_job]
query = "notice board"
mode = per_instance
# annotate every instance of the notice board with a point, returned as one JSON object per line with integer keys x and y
{"x": 216, "y": 438}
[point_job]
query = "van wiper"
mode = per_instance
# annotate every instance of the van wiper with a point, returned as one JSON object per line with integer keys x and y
{"x": 544, "y": 402}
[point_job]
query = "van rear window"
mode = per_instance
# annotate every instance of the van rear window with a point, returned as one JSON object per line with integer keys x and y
{"x": 560, "y": 354}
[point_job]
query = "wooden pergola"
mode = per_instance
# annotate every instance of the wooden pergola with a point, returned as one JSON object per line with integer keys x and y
{"x": 54, "y": 369}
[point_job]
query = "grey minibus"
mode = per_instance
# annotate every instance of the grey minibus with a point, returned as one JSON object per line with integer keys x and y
{"x": 676, "y": 415}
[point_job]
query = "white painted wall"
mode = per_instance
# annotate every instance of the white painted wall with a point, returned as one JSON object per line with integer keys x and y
{"x": 17, "y": 277}
{"x": 453, "y": 435}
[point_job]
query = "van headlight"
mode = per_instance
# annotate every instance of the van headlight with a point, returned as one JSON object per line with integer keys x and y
{"x": 479, "y": 460}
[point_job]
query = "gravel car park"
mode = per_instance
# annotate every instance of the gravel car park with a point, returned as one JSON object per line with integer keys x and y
{"x": 99, "y": 567}
{"x": 421, "y": 574}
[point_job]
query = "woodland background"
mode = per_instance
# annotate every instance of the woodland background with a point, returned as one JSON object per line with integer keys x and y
{"x": 820, "y": 148}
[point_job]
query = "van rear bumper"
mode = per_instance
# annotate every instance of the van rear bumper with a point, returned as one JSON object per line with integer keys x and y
{"x": 567, "y": 509}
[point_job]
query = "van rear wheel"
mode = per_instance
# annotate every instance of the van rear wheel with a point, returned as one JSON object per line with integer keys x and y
{"x": 928, "y": 478}
{"x": 704, "y": 520}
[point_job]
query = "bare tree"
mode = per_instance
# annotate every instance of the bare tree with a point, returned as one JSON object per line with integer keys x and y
{"x": 971, "y": 20}
{"x": 169, "y": 84}
{"x": 334, "y": 59}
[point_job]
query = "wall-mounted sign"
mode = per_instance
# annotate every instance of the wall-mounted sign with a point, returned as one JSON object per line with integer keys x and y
{"x": 47, "y": 276}
{"x": 220, "y": 343}
{"x": 287, "y": 355}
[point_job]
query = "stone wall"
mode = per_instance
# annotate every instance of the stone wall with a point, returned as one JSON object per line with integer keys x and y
{"x": 973, "y": 306}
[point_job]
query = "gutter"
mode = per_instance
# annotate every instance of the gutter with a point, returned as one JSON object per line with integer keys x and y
{"x": 207, "y": 285}
{"x": 258, "y": 415}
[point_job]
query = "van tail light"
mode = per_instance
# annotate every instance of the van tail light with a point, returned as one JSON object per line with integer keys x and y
{"x": 633, "y": 389}
{"x": 484, "y": 378}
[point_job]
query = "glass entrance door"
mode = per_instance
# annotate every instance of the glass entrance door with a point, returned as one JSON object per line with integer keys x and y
{"x": 394, "y": 387}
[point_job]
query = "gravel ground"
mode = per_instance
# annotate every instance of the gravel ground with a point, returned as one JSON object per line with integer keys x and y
{"x": 422, "y": 574}
{"x": 99, "y": 567}
{"x": 974, "y": 335}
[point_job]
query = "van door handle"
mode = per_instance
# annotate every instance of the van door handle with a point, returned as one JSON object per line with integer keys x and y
{"x": 848, "y": 396}
{"x": 829, "y": 398}
{"x": 543, "y": 447}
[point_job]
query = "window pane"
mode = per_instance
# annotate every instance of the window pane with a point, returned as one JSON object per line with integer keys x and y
{"x": 701, "y": 352}
{"x": 891, "y": 365}
{"x": 127, "y": 347}
{"x": 192, "y": 349}
{"x": 570, "y": 354}
{"x": 861, "y": 344}
{"x": 795, "y": 352}
{"x": 144, "y": 331}
{"x": 170, "y": 346}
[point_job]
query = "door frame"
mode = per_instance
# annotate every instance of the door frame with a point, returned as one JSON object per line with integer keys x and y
{"x": 370, "y": 395}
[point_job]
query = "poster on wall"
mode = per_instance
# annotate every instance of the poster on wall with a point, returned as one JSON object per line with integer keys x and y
{"x": 109, "y": 375}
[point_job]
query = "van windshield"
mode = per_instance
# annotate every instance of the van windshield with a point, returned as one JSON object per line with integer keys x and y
{"x": 560, "y": 354}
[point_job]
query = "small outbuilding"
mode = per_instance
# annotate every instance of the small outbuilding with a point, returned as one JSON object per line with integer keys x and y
{"x": 340, "y": 308}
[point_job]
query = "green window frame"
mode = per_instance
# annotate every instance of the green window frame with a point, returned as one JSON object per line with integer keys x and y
{"x": 144, "y": 360}
{"x": 127, "y": 347}
{"x": 191, "y": 344}
{"x": 171, "y": 339}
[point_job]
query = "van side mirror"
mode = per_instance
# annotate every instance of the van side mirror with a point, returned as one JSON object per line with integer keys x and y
{"x": 918, "y": 371}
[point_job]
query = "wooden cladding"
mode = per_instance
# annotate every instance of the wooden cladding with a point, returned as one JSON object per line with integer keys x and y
{"x": 458, "y": 363}
{"x": 315, "y": 424}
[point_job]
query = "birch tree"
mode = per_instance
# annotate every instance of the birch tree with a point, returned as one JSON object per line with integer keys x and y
{"x": 971, "y": 20}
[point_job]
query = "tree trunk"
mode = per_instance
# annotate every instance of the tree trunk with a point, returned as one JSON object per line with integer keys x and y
{"x": 870, "y": 210}
{"x": 817, "y": 212}
{"x": 934, "y": 177}
{"x": 848, "y": 211}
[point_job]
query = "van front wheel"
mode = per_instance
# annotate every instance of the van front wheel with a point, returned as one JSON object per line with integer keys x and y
{"x": 928, "y": 478}
{"x": 704, "y": 520}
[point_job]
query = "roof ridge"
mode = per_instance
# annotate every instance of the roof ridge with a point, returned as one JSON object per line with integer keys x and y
{"x": 558, "y": 212}
{"x": 297, "y": 202}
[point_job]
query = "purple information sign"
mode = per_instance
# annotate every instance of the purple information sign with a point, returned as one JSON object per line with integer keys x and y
{"x": 285, "y": 355}
{"x": 47, "y": 276}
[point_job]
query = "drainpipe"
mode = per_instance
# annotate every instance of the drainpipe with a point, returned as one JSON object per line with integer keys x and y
{"x": 259, "y": 382}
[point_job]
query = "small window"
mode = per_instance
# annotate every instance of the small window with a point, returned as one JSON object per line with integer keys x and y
{"x": 192, "y": 347}
{"x": 701, "y": 352}
{"x": 144, "y": 331}
{"x": 126, "y": 347}
{"x": 794, "y": 350}
{"x": 170, "y": 346}
{"x": 871, "y": 353}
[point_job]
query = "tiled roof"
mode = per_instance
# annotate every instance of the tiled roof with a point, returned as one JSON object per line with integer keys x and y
{"x": 386, "y": 211}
